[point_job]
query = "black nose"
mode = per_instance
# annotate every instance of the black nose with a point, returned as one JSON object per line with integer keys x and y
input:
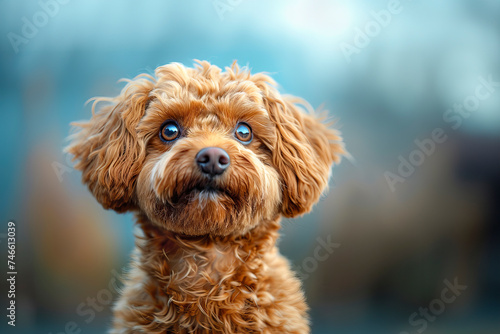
{"x": 213, "y": 161}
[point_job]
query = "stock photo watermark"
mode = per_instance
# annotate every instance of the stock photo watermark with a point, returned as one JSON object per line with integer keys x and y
{"x": 61, "y": 169}
{"x": 11, "y": 273}
{"x": 322, "y": 252}
{"x": 436, "y": 307}
{"x": 364, "y": 35}
{"x": 428, "y": 146}
{"x": 88, "y": 309}
{"x": 31, "y": 26}
{"x": 224, "y": 6}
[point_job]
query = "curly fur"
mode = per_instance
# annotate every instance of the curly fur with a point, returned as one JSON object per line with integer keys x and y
{"x": 207, "y": 262}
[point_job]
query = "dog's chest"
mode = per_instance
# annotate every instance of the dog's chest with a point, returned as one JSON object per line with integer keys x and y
{"x": 213, "y": 272}
{"x": 211, "y": 285}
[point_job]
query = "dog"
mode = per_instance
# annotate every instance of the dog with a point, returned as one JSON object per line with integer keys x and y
{"x": 209, "y": 161}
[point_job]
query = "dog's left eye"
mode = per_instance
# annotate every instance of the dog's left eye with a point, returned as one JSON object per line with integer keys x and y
{"x": 170, "y": 131}
{"x": 243, "y": 133}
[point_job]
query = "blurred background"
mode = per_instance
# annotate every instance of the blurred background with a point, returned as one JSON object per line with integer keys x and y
{"x": 413, "y": 85}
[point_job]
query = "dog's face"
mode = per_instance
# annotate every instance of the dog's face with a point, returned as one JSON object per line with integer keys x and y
{"x": 200, "y": 151}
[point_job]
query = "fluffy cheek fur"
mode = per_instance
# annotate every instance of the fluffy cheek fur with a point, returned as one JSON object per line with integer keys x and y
{"x": 172, "y": 191}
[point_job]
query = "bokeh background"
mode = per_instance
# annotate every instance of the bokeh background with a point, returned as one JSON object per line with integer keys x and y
{"x": 394, "y": 247}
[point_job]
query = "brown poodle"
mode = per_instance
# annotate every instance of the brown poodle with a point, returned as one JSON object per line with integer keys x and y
{"x": 209, "y": 161}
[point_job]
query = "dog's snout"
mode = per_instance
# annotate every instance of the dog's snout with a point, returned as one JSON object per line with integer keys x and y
{"x": 213, "y": 161}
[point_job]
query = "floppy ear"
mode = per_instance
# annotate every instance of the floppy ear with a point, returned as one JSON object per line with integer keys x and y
{"x": 107, "y": 149}
{"x": 303, "y": 153}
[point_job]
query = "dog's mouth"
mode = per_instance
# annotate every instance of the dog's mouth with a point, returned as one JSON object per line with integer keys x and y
{"x": 208, "y": 190}
{"x": 201, "y": 191}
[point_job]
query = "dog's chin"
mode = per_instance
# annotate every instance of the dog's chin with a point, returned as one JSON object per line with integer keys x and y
{"x": 205, "y": 210}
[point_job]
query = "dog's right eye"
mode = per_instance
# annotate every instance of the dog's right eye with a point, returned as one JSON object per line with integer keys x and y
{"x": 170, "y": 131}
{"x": 243, "y": 133}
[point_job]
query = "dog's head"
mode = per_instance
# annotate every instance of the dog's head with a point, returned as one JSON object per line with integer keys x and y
{"x": 201, "y": 151}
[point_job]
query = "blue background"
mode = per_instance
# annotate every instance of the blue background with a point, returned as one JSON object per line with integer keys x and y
{"x": 396, "y": 247}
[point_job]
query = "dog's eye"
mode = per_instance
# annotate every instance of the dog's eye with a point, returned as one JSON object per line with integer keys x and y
{"x": 243, "y": 133}
{"x": 170, "y": 131}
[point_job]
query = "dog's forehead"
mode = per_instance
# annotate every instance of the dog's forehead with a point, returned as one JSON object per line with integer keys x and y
{"x": 213, "y": 105}
{"x": 209, "y": 119}
{"x": 206, "y": 90}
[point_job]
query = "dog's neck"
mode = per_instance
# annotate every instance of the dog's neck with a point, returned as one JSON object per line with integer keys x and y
{"x": 192, "y": 267}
